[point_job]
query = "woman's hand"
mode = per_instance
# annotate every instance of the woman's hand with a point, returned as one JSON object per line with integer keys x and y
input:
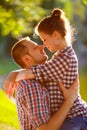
{"x": 10, "y": 84}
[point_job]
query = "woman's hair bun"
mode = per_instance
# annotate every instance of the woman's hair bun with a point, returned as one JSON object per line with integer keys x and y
{"x": 57, "y": 12}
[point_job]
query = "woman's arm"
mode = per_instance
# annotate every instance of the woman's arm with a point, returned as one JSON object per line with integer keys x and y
{"x": 24, "y": 74}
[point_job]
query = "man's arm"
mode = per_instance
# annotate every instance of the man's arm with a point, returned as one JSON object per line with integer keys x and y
{"x": 57, "y": 119}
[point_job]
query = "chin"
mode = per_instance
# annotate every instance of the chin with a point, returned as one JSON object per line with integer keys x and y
{"x": 43, "y": 62}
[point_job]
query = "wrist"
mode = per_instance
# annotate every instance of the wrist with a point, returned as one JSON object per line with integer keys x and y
{"x": 69, "y": 102}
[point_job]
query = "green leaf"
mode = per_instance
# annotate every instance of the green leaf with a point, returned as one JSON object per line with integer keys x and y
{"x": 84, "y": 2}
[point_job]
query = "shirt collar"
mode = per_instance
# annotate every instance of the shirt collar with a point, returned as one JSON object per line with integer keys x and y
{"x": 68, "y": 48}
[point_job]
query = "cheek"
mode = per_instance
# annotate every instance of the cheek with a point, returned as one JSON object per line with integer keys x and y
{"x": 47, "y": 42}
{"x": 53, "y": 42}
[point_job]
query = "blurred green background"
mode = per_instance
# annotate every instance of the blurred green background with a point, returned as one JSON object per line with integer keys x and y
{"x": 18, "y": 18}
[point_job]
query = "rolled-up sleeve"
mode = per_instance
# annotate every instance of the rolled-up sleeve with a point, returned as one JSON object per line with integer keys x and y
{"x": 52, "y": 70}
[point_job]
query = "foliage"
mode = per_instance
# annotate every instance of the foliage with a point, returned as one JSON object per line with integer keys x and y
{"x": 84, "y": 2}
{"x": 18, "y": 16}
{"x": 8, "y": 112}
{"x": 7, "y": 65}
{"x": 83, "y": 88}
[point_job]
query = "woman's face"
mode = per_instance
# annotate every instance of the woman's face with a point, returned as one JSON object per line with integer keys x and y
{"x": 51, "y": 41}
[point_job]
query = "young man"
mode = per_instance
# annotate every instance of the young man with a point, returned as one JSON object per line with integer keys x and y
{"x": 33, "y": 99}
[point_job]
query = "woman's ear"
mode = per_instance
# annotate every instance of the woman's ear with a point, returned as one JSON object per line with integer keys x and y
{"x": 57, "y": 38}
{"x": 56, "y": 34}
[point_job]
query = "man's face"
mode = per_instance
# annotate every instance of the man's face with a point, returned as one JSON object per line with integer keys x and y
{"x": 36, "y": 52}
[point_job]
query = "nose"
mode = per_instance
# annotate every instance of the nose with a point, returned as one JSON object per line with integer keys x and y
{"x": 44, "y": 46}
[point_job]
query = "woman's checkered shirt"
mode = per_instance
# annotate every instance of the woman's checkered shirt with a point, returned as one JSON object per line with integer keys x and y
{"x": 62, "y": 67}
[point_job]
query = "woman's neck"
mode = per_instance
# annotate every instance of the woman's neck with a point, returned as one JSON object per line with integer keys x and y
{"x": 63, "y": 45}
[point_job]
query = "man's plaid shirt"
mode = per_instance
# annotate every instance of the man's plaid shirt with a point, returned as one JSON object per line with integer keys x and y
{"x": 33, "y": 104}
{"x": 62, "y": 67}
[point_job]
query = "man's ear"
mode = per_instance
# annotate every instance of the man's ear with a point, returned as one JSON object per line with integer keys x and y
{"x": 26, "y": 59}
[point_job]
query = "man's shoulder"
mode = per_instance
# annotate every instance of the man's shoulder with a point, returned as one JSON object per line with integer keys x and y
{"x": 28, "y": 81}
{"x": 32, "y": 85}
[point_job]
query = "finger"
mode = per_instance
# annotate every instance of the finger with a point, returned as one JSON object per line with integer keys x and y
{"x": 13, "y": 88}
{"x": 7, "y": 88}
{"x": 77, "y": 79}
{"x": 16, "y": 85}
{"x": 62, "y": 86}
{"x": 6, "y": 84}
{"x": 11, "y": 92}
{"x": 77, "y": 76}
{"x": 76, "y": 83}
{"x": 10, "y": 89}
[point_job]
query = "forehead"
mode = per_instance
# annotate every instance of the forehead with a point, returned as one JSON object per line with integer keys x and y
{"x": 29, "y": 44}
{"x": 44, "y": 35}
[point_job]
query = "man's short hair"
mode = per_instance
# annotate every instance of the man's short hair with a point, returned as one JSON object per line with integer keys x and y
{"x": 18, "y": 50}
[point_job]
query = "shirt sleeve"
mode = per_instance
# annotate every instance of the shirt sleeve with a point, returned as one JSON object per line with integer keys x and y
{"x": 52, "y": 70}
{"x": 35, "y": 102}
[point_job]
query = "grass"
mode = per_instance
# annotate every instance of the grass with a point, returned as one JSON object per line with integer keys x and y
{"x": 8, "y": 113}
{"x": 83, "y": 86}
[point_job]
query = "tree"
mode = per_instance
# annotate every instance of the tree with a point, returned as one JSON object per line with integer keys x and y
{"x": 84, "y": 2}
{"x": 18, "y": 16}
{"x": 17, "y": 19}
